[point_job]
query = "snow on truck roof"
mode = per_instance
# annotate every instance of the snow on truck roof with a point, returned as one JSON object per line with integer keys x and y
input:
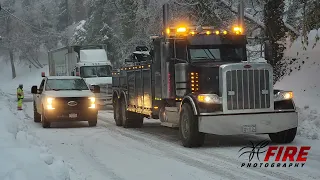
{"x": 64, "y": 77}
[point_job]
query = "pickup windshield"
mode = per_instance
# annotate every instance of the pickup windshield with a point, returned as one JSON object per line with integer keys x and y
{"x": 66, "y": 84}
{"x": 95, "y": 71}
{"x": 217, "y": 54}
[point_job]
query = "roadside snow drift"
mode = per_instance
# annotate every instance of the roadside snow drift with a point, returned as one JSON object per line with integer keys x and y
{"x": 23, "y": 156}
{"x": 303, "y": 78}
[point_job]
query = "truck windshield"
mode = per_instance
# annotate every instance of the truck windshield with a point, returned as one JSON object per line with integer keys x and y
{"x": 66, "y": 84}
{"x": 95, "y": 71}
{"x": 217, "y": 54}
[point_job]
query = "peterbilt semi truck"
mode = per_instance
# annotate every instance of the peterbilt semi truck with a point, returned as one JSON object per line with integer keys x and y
{"x": 199, "y": 79}
{"x": 89, "y": 62}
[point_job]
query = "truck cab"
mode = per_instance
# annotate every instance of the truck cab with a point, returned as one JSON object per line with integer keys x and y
{"x": 96, "y": 71}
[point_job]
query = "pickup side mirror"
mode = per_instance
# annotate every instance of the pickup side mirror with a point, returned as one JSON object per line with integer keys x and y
{"x": 96, "y": 89}
{"x": 268, "y": 50}
{"x": 34, "y": 90}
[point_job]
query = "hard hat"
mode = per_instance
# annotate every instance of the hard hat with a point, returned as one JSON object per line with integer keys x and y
{"x": 21, "y": 85}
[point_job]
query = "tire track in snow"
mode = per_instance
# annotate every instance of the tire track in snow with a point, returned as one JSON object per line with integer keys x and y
{"x": 222, "y": 159}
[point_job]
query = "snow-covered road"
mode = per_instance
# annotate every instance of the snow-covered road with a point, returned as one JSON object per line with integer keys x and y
{"x": 154, "y": 152}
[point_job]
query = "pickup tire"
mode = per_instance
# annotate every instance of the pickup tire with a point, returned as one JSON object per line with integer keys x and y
{"x": 286, "y": 136}
{"x": 44, "y": 120}
{"x": 188, "y": 128}
{"x": 116, "y": 112}
{"x": 36, "y": 115}
{"x": 92, "y": 123}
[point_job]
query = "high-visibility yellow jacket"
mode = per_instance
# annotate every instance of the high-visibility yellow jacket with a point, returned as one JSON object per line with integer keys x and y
{"x": 20, "y": 93}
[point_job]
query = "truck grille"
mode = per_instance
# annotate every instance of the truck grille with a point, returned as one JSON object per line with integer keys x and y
{"x": 248, "y": 89}
{"x": 106, "y": 88}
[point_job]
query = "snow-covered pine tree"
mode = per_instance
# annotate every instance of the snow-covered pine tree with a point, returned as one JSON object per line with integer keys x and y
{"x": 275, "y": 31}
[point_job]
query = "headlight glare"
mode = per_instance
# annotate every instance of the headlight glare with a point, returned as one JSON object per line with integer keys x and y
{"x": 209, "y": 98}
{"x": 283, "y": 95}
{"x": 49, "y": 100}
{"x": 92, "y": 101}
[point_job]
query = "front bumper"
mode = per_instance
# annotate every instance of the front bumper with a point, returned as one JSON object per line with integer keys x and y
{"x": 102, "y": 101}
{"x": 260, "y": 123}
{"x": 69, "y": 115}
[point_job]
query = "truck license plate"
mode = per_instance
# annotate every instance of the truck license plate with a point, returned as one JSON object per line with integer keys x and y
{"x": 249, "y": 128}
{"x": 73, "y": 115}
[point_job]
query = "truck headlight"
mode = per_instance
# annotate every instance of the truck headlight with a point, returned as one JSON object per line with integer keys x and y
{"x": 49, "y": 103}
{"x": 92, "y": 102}
{"x": 209, "y": 98}
{"x": 283, "y": 95}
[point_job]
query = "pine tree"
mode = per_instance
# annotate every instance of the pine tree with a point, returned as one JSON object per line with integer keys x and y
{"x": 275, "y": 31}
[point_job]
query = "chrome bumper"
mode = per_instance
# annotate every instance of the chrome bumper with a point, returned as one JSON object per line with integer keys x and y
{"x": 260, "y": 123}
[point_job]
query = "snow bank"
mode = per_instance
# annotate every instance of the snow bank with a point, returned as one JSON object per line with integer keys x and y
{"x": 26, "y": 76}
{"x": 303, "y": 79}
{"x": 23, "y": 156}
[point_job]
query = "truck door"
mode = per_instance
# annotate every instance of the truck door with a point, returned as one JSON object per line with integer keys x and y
{"x": 39, "y": 96}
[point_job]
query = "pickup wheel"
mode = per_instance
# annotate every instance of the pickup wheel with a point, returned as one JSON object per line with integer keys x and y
{"x": 36, "y": 115}
{"x": 286, "y": 136}
{"x": 188, "y": 128}
{"x": 92, "y": 123}
{"x": 116, "y": 112}
{"x": 44, "y": 120}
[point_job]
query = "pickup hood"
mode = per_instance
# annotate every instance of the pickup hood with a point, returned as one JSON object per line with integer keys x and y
{"x": 69, "y": 93}
{"x": 98, "y": 80}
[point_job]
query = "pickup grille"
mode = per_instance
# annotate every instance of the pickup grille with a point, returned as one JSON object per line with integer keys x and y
{"x": 248, "y": 89}
{"x": 62, "y": 103}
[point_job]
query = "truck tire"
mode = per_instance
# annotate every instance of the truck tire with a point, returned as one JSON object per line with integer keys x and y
{"x": 36, "y": 115}
{"x": 286, "y": 136}
{"x": 129, "y": 119}
{"x": 116, "y": 112}
{"x": 188, "y": 128}
{"x": 44, "y": 120}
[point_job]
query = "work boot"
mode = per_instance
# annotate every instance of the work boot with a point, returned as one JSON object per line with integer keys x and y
{"x": 19, "y": 108}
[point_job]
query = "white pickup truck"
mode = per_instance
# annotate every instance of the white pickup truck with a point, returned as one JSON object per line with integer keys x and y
{"x": 64, "y": 98}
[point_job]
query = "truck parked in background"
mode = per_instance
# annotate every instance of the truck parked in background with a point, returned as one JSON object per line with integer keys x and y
{"x": 89, "y": 62}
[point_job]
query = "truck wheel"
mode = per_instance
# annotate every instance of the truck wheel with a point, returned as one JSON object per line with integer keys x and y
{"x": 44, "y": 120}
{"x": 116, "y": 112}
{"x": 36, "y": 115}
{"x": 188, "y": 128}
{"x": 286, "y": 136}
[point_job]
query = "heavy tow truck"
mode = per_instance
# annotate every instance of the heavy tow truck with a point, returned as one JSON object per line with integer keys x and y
{"x": 200, "y": 80}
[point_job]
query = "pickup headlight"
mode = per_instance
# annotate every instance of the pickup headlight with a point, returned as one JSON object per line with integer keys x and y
{"x": 49, "y": 103}
{"x": 92, "y": 102}
{"x": 283, "y": 95}
{"x": 209, "y": 98}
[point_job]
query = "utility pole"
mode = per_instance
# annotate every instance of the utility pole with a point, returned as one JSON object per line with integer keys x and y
{"x": 241, "y": 15}
{"x": 67, "y": 10}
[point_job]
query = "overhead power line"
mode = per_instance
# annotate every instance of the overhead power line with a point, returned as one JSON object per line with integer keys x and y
{"x": 33, "y": 27}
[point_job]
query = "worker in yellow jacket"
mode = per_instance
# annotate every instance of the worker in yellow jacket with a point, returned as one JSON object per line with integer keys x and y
{"x": 20, "y": 96}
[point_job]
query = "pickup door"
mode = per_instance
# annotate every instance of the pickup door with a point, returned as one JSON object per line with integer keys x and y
{"x": 38, "y": 97}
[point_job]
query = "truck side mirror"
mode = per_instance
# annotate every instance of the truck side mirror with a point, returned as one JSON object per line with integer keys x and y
{"x": 34, "y": 90}
{"x": 96, "y": 89}
{"x": 268, "y": 50}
